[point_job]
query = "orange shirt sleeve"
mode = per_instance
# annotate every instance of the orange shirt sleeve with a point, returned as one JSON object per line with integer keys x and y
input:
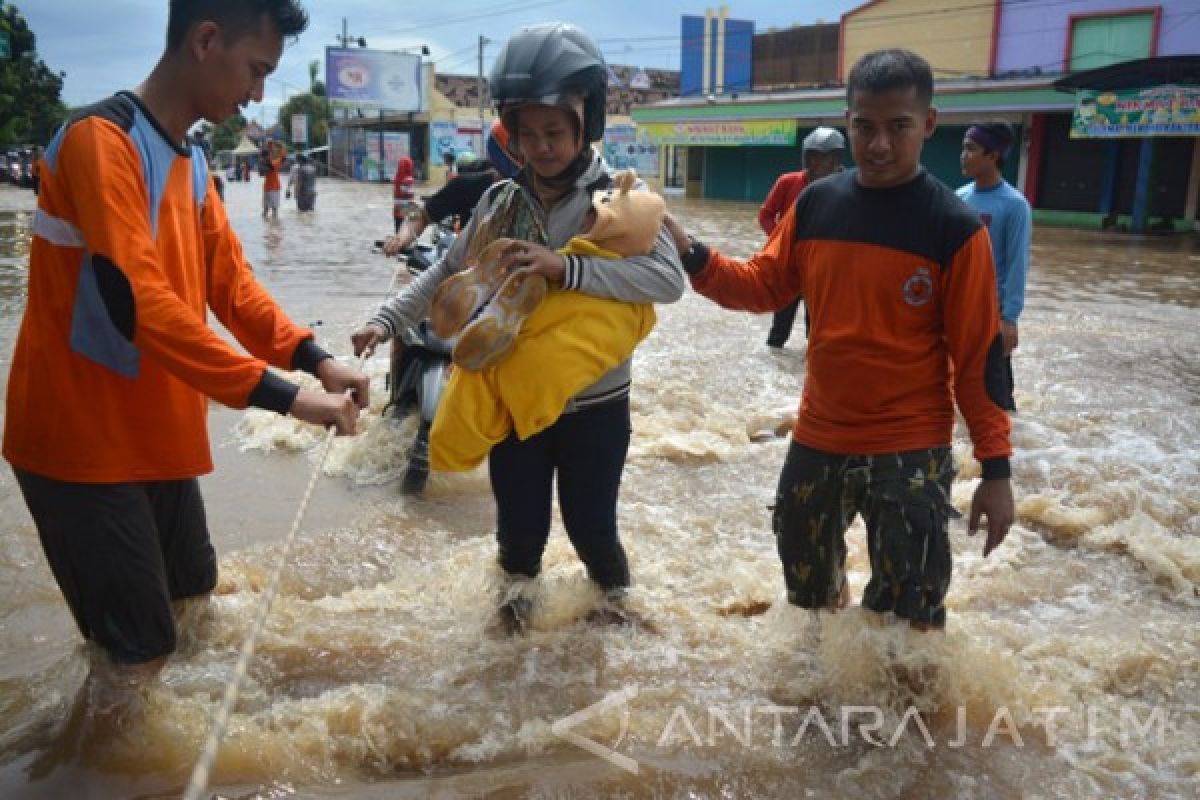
{"x": 768, "y": 215}
{"x": 236, "y": 297}
{"x": 972, "y": 326}
{"x": 768, "y": 281}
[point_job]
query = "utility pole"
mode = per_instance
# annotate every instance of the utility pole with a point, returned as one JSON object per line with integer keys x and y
{"x": 345, "y": 37}
{"x": 483, "y": 40}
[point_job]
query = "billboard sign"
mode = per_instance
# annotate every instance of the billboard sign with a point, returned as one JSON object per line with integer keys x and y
{"x": 376, "y": 78}
{"x": 1121, "y": 113}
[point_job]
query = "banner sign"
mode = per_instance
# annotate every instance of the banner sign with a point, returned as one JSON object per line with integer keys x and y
{"x": 453, "y": 138}
{"x": 300, "y": 129}
{"x": 1157, "y": 111}
{"x": 629, "y": 146}
{"x": 729, "y": 133}
{"x": 378, "y": 78}
{"x": 395, "y": 144}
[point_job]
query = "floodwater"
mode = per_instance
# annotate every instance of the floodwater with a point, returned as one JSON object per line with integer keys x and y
{"x": 1070, "y": 666}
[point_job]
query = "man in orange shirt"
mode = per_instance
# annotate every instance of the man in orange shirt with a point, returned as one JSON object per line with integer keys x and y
{"x": 115, "y": 361}
{"x": 822, "y": 156}
{"x": 897, "y": 274}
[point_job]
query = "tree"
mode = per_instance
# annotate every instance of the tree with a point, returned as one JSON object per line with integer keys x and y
{"x": 317, "y": 109}
{"x": 30, "y": 106}
{"x": 227, "y": 135}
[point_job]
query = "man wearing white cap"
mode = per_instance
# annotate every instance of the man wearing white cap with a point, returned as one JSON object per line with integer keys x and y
{"x": 822, "y": 156}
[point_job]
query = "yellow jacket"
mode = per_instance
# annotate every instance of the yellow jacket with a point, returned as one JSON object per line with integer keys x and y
{"x": 566, "y": 345}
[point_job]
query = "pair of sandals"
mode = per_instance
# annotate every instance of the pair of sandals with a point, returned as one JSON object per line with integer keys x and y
{"x": 485, "y": 306}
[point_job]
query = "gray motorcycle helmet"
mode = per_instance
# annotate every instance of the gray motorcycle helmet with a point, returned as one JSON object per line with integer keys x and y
{"x": 823, "y": 140}
{"x": 546, "y": 64}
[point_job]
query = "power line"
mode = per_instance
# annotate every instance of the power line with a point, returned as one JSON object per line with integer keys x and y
{"x": 497, "y": 11}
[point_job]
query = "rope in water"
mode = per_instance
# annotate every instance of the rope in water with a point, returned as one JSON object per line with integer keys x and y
{"x": 220, "y": 721}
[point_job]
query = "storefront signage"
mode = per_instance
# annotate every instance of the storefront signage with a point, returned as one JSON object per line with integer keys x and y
{"x": 628, "y": 146}
{"x": 1157, "y": 111}
{"x": 375, "y": 78}
{"x": 731, "y": 133}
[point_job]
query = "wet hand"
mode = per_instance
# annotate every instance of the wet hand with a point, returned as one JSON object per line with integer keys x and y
{"x": 327, "y": 410}
{"x": 530, "y": 257}
{"x": 394, "y": 244}
{"x": 337, "y": 378}
{"x": 367, "y": 338}
{"x": 678, "y": 234}
{"x": 1008, "y": 330}
{"x": 992, "y": 499}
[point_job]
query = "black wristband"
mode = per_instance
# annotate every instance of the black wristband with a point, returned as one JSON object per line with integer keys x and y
{"x": 308, "y": 354}
{"x": 996, "y": 468}
{"x": 696, "y": 258}
{"x": 273, "y": 393}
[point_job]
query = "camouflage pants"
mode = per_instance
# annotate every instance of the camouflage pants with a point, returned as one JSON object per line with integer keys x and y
{"x": 904, "y": 499}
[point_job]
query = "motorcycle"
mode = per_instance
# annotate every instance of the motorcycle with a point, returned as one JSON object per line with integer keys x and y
{"x": 420, "y": 256}
{"x": 419, "y": 367}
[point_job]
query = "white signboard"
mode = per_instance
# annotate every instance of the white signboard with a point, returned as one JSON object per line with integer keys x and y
{"x": 299, "y": 128}
{"x": 379, "y": 78}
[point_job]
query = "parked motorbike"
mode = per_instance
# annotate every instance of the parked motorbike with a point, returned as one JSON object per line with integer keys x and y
{"x": 420, "y": 367}
{"x": 420, "y": 362}
{"x": 420, "y": 256}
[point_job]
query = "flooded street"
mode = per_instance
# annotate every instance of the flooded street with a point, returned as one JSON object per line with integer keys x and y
{"x": 1070, "y": 667}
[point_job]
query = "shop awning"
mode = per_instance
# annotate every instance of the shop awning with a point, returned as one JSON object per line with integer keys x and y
{"x": 1179, "y": 70}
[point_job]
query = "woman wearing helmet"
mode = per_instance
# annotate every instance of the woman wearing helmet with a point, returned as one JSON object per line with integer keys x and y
{"x": 822, "y": 156}
{"x": 549, "y": 84}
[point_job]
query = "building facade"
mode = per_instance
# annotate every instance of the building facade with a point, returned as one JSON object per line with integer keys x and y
{"x": 991, "y": 60}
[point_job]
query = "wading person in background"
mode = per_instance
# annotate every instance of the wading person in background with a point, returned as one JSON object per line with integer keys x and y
{"x": 270, "y": 162}
{"x": 303, "y": 179}
{"x": 403, "y": 194}
{"x": 1005, "y": 212}
{"x": 822, "y": 156}
{"x": 549, "y": 84}
{"x": 897, "y": 274}
{"x": 459, "y": 197}
{"x": 106, "y": 425}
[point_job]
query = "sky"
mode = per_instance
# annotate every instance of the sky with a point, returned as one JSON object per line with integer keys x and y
{"x": 111, "y": 45}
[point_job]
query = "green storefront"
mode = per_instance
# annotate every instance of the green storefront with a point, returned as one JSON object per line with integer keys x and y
{"x": 721, "y": 152}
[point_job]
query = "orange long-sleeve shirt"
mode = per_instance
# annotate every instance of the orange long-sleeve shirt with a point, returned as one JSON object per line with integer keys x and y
{"x": 781, "y": 198}
{"x": 115, "y": 357}
{"x": 901, "y": 290}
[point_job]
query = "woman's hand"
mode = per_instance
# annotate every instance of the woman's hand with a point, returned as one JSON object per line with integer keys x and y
{"x": 678, "y": 234}
{"x": 366, "y": 338}
{"x": 394, "y": 244}
{"x": 530, "y": 257}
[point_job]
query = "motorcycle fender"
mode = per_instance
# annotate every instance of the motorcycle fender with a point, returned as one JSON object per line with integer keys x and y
{"x": 433, "y": 381}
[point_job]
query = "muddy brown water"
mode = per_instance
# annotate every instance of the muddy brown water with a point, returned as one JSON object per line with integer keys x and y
{"x": 1070, "y": 667}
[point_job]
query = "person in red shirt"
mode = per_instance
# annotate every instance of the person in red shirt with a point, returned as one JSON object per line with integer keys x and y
{"x": 114, "y": 366}
{"x": 897, "y": 273}
{"x": 822, "y": 156}
{"x": 403, "y": 195}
